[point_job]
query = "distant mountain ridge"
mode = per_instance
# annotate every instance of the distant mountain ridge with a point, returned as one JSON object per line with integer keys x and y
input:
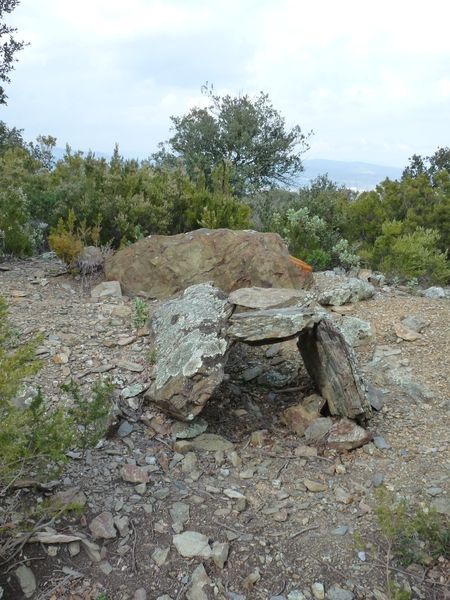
{"x": 355, "y": 175}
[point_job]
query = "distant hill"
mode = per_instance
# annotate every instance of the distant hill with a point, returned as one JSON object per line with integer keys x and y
{"x": 355, "y": 175}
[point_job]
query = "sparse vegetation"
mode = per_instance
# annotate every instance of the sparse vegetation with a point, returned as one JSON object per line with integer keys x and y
{"x": 140, "y": 313}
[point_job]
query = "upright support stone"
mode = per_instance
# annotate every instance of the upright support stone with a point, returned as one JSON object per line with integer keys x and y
{"x": 332, "y": 366}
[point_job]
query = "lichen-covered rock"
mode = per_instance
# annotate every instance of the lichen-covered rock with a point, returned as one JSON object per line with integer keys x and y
{"x": 190, "y": 350}
{"x": 271, "y": 324}
{"x": 265, "y": 298}
{"x": 335, "y": 290}
{"x": 160, "y": 266}
{"x": 356, "y": 331}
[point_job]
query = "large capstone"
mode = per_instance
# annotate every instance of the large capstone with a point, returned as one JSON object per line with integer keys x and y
{"x": 160, "y": 266}
{"x": 190, "y": 350}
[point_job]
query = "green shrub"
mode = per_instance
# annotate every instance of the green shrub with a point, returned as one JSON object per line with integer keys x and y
{"x": 16, "y": 232}
{"x": 410, "y": 255}
{"x": 140, "y": 313}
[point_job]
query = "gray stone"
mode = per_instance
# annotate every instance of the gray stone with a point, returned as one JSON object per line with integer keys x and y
{"x": 186, "y": 431}
{"x": 102, "y": 527}
{"x": 90, "y": 259}
{"x": 442, "y": 505}
{"x": 27, "y": 580}
{"x": 415, "y": 323}
{"x": 160, "y": 555}
{"x": 356, "y": 331}
{"x": 140, "y": 594}
{"x": 375, "y": 397}
{"x": 134, "y": 474}
{"x": 435, "y": 293}
{"x": 380, "y": 443}
{"x": 125, "y": 428}
{"x": 105, "y": 567}
{"x": 190, "y": 350}
{"x": 271, "y": 324}
{"x": 296, "y": 595}
{"x": 318, "y": 429}
{"x": 107, "y": 289}
{"x": 342, "y": 291}
{"x": 192, "y": 543}
{"x": 220, "y": 554}
{"x": 318, "y": 591}
{"x": 252, "y": 373}
{"x": 179, "y": 512}
{"x": 341, "y": 530}
{"x": 264, "y": 298}
{"x": 335, "y": 592}
{"x": 378, "y": 480}
{"x": 132, "y": 390}
{"x": 434, "y": 491}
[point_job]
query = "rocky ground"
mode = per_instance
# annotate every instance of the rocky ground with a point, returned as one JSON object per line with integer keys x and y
{"x": 243, "y": 509}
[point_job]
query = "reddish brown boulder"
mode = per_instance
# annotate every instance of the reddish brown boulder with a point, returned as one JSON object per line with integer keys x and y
{"x": 160, "y": 266}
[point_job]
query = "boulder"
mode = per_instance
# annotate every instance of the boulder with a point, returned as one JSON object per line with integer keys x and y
{"x": 161, "y": 266}
{"x": 335, "y": 290}
{"x": 435, "y": 293}
{"x": 190, "y": 350}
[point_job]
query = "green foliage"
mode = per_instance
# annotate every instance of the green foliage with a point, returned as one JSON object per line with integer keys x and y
{"x": 65, "y": 241}
{"x": 16, "y": 232}
{"x": 414, "y": 535}
{"x": 410, "y": 256}
{"x": 246, "y": 135}
{"x": 140, "y": 313}
{"x": 9, "y": 46}
{"x": 90, "y": 415}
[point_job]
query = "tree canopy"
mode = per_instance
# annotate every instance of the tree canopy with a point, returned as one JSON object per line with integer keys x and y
{"x": 245, "y": 137}
{"x": 9, "y": 45}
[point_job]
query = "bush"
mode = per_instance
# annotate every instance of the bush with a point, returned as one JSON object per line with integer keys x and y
{"x": 410, "y": 255}
{"x": 16, "y": 232}
{"x": 35, "y": 438}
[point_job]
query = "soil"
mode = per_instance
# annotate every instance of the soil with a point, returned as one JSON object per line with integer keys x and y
{"x": 280, "y": 534}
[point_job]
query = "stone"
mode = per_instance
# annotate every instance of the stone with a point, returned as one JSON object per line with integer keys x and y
{"x": 305, "y": 451}
{"x": 134, "y": 474}
{"x": 335, "y": 592}
{"x": 442, "y": 505}
{"x": 343, "y": 496}
{"x": 318, "y": 591}
{"x": 406, "y": 334}
{"x": 219, "y": 554}
{"x": 107, "y": 289}
{"x": 435, "y": 293}
{"x": 296, "y": 595}
{"x": 186, "y": 431}
{"x": 192, "y": 543}
{"x": 315, "y": 486}
{"x": 297, "y": 418}
{"x": 258, "y": 438}
{"x": 132, "y": 390}
{"x": 105, "y": 567}
{"x": 347, "y": 435}
{"x": 160, "y": 266}
{"x": 72, "y": 496}
{"x": 375, "y": 397}
{"x": 211, "y": 442}
{"x": 332, "y": 365}
{"x": 199, "y": 579}
{"x": 160, "y": 555}
{"x": 179, "y": 512}
{"x": 102, "y": 527}
{"x": 264, "y": 298}
{"x": 380, "y": 443}
{"x": 121, "y": 524}
{"x": 125, "y": 428}
{"x": 314, "y": 403}
{"x": 190, "y": 350}
{"x": 27, "y": 580}
{"x": 356, "y": 331}
{"x": 415, "y": 323}
{"x": 271, "y": 324}
{"x": 378, "y": 480}
{"x": 140, "y": 594}
{"x": 341, "y": 530}
{"x": 337, "y": 291}
{"x": 318, "y": 429}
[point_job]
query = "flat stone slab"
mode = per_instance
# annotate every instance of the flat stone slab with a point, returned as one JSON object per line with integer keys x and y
{"x": 190, "y": 350}
{"x": 271, "y": 324}
{"x": 264, "y": 298}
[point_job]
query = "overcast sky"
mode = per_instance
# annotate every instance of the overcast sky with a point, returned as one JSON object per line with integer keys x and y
{"x": 372, "y": 79}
